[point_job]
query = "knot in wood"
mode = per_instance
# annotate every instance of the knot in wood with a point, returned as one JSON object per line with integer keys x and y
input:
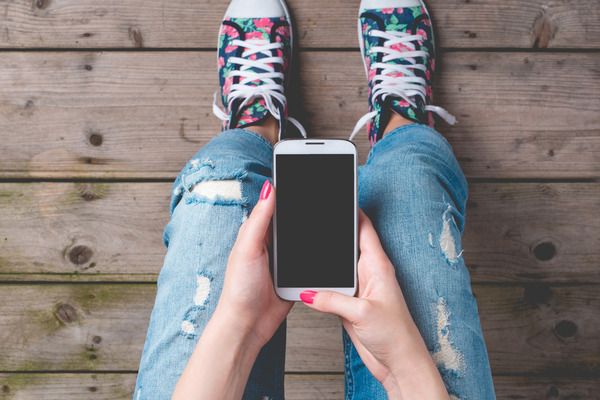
{"x": 544, "y": 251}
{"x": 95, "y": 139}
{"x": 565, "y": 329}
{"x": 80, "y": 254}
{"x": 66, "y": 313}
{"x": 544, "y": 30}
{"x": 41, "y": 4}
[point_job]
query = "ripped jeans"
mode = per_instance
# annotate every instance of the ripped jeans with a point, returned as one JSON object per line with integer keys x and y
{"x": 415, "y": 193}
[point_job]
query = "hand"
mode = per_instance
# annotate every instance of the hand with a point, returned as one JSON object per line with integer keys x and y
{"x": 380, "y": 325}
{"x": 248, "y": 314}
{"x": 248, "y": 298}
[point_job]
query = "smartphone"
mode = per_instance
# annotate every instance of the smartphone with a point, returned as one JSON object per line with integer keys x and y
{"x": 316, "y": 220}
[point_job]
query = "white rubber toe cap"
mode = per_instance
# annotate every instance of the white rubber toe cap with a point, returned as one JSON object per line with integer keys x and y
{"x": 378, "y": 4}
{"x": 255, "y": 9}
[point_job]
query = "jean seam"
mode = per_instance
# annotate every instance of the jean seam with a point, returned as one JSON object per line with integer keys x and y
{"x": 349, "y": 374}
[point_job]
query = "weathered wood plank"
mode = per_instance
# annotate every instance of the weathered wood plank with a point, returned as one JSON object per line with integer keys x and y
{"x": 189, "y": 23}
{"x": 552, "y": 330}
{"x": 534, "y": 388}
{"x": 118, "y": 114}
{"x": 314, "y": 387}
{"x": 66, "y": 386}
{"x": 105, "y": 231}
{"x": 113, "y": 231}
{"x": 298, "y": 387}
{"x": 533, "y": 232}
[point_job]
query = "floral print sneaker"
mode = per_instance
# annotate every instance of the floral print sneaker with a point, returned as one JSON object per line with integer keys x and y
{"x": 254, "y": 53}
{"x": 398, "y": 49}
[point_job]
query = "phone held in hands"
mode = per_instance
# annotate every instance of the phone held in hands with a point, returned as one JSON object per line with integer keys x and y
{"x": 316, "y": 220}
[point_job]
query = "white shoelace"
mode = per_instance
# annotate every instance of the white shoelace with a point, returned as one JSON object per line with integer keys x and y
{"x": 405, "y": 87}
{"x": 266, "y": 86}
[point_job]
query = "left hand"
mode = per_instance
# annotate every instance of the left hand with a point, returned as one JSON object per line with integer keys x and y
{"x": 248, "y": 300}
{"x": 248, "y": 314}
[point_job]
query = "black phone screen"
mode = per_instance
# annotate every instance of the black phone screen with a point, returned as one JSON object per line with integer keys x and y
{"x": 315, "y": 220}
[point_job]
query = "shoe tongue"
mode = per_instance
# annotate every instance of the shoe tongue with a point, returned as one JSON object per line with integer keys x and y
{"x": 260, "y": 30}
{"x": 391, "y": 20}
{"x": 252, "y": 113}
{"x": 256, "y": 109}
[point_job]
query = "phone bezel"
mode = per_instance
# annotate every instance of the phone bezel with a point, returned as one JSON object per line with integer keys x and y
{"x": 315, "y": 146}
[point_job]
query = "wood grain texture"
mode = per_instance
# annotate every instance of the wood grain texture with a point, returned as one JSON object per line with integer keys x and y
{"x": 66, "y": 386}
{"x": 124, "y": 115}
{"x": 552, "y": 330}
{"x": 189, "y": 23}
{"x": 533, "y": 232}
{"x": 71, "y": 327}
{"x": 297, "y": 387}
{"x": 102, "y": 231}
{"x": 112, "y": 231}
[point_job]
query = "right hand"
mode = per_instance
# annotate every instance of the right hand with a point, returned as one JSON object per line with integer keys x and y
{"x": 380, "y": 325}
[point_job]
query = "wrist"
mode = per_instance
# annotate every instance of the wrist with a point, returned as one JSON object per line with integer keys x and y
{"x": 417, "y": 377}
{"x": 413, "y": 374}
{"x": 221, "y": 363}
{"x": 238, "y": 331}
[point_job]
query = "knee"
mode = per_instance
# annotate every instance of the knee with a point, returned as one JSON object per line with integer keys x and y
{"x": 414, "y": 155}
{"x": 412, "y": 146}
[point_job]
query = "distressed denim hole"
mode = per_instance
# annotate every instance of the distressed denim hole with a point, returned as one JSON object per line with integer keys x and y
{"x": 216, "y": 189}
{"x": 446, "y": 355}
{"x": 202, "y": 290}
{"x": 447, "y": 239}
{"x": 219, "y": 190}
{"x": 196, "y": 163}
{"x": 189, "y": 325}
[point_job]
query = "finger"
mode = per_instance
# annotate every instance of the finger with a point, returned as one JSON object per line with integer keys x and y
{"x": 375, "y": 259}
{"x": 256, "y": 227}
{"x": 367, "y": 236}
{"x": 269, "y": 236}
{"x": 347, "y": 307}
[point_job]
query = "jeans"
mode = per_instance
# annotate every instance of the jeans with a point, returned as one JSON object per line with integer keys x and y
{"x": 415, "y": 193}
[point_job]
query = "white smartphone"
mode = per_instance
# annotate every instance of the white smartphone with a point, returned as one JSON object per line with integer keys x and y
{"x": 316, "y": 221}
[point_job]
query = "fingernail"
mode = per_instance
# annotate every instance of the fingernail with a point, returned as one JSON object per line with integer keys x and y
{"x": 266, "y": 190}
{"x": 308, "y": 296}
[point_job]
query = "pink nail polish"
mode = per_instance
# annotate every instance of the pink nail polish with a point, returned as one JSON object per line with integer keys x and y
{"x": 266, "y": 190}
{"x": 308, "y": 296}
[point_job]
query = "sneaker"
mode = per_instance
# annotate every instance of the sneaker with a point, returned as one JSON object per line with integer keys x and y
{"x": 254, "y": 54}
{"x": 398, "y": 49}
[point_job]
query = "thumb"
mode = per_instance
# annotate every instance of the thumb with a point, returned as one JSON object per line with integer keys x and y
{"x": 347, "y": 307}
{"x": 254, "y": 230}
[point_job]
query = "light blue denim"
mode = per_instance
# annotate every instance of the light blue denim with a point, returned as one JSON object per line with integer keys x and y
{"x": 414, "y": 191}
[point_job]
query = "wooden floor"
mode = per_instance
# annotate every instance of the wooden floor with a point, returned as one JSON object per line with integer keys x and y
{"x": 101, "y": 103}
